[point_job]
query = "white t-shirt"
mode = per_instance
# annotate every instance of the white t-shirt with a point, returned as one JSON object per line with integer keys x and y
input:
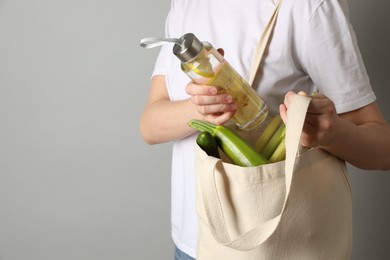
{"x": 313, "y": 48}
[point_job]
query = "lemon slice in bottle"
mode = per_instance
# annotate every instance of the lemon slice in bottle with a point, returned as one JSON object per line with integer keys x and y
{"x": 204, "y": 68}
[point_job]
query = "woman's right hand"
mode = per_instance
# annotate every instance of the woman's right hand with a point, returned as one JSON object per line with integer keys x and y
{"x": 213, "y": 107}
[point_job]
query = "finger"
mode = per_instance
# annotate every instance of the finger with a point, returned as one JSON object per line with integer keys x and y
{"x": 196, "y": 89}
{"x": 220, "y": 119}
{"x": 283, "y": 112}
{"x": 302, "y": 93}
{"x": 308, "y": 135}
{"x": 216, "y": 109}
{"x": 323, "y": 123}
{"x": 321, "y": 105}
{"x": 209, "y": 100}
{"x": 312, "y": 119}
{"x": 288, "y": 97}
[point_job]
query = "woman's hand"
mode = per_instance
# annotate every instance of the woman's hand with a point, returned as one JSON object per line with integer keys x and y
{"x": 321, "y": 120}
{"x": 214, "y": 107}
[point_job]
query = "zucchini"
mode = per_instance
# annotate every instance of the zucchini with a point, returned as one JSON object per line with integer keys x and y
{"x": 239, "y": 151}
{"x": 208, "y": 144}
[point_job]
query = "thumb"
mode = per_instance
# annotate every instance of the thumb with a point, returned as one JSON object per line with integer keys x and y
{"x": 283, "y": 113}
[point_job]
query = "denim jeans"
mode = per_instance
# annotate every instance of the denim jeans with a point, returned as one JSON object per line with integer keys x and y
{"x": 180, "y": 255}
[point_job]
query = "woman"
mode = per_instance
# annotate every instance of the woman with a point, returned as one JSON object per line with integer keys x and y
{"x": 313, "y": 49}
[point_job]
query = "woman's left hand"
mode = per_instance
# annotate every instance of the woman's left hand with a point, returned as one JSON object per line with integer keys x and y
{"x": 321, "y": 120}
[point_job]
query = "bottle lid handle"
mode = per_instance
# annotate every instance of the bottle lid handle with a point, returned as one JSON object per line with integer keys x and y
{"x": 153, "y": 42}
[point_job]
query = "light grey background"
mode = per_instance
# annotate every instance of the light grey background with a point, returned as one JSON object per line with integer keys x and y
{"x": 76, "y": 180}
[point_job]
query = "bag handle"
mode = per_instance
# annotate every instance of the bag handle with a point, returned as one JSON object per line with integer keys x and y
{"x": 263, "y": 42}
{"x": 253, "y": 238}
{"x": 296, "y": 116}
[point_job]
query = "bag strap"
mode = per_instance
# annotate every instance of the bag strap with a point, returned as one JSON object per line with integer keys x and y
{"x": 263, "y": 42}
{"x": 253, "y": 238}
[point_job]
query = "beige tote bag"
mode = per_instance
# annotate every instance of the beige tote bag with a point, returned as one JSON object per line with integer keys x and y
{"x": 300, "y": 208}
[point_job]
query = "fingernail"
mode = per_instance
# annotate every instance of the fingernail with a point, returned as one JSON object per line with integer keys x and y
{"x": 212, "y": 91}
{"x": 229, "y": 99}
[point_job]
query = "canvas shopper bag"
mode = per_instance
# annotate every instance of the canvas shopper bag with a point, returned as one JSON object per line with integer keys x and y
{"x": 300, "y": 208}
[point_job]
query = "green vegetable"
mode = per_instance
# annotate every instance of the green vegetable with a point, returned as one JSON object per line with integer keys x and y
{"x": 236, "y": 148}
{"x": 208, "y": 144}
{"x": 274, "y": 142}
{"x": 268, "y": 133}
{"x": 280, "y": 152}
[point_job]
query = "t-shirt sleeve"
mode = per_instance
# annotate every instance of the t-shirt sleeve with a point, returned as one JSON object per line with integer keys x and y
{"x": 166, "y": 63}
{"x": 332, "y": 58}
{"x": 161, "y": 64}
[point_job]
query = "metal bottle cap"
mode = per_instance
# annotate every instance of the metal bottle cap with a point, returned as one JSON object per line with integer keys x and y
{"x": 190, "y": 47}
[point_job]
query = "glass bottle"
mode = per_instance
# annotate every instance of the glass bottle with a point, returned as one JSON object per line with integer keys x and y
{"x": 205, "y": 65}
